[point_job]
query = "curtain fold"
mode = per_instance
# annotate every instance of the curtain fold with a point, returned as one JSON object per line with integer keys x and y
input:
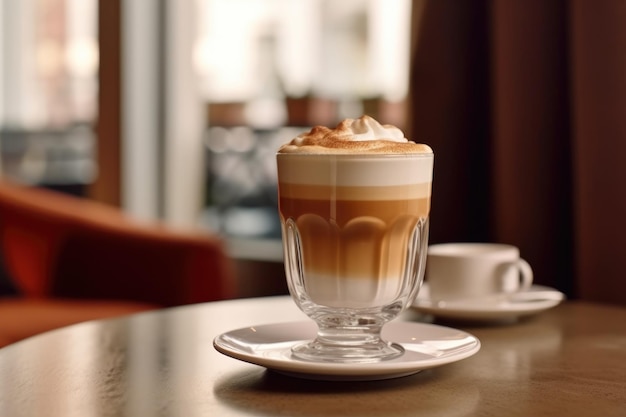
{"x": 598, "y": 34}
{"x": 524, "y": 104}
{"x": 530, "y": 140}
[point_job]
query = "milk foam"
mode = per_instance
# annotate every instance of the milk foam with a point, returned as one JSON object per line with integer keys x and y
{"x": 362, "y": 136}
{"x": 357, "y": 153}
{"x": 356, "y": 171}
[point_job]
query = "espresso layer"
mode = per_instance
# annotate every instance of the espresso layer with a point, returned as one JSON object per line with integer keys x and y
{"x": 341, "y": 212}
{"x": 322, "y": 192}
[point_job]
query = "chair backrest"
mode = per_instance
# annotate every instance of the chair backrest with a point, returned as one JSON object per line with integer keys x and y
{"x": 58, "y": 245}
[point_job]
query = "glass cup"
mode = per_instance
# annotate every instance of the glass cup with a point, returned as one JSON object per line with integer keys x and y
{"x": 355, "y": 237}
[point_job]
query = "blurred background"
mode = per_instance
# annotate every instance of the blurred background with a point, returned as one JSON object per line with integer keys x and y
{"x": 228, "y": 79}
{"x": 173, "y": 111}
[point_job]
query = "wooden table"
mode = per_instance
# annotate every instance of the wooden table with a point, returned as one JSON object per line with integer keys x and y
{"x": 568, "y": 361}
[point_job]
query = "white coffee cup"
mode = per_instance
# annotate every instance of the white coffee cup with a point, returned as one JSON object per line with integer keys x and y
{"x": 456, "y": 271}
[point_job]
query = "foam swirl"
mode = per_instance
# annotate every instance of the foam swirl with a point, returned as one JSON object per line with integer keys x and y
{"x": 362, "y": 135}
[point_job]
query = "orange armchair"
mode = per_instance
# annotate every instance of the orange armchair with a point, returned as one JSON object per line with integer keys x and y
{"x": 72, "y": 259}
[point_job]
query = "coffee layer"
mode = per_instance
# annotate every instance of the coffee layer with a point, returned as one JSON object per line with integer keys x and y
{"x": 365, "y": 262}
{"x": 342, "y": 212}
{"x": 322, "y": 192}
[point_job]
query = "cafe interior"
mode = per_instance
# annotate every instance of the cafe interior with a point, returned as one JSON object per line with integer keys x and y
{"x": 138, "y": 139}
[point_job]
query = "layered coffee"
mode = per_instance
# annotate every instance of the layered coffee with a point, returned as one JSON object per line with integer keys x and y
{"x": 353, "y": 202}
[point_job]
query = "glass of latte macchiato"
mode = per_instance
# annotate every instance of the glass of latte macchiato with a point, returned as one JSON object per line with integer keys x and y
{"x": 354, "y": 204}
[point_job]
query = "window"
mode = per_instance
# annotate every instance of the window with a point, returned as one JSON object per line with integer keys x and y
{"x": 48, "y": 90}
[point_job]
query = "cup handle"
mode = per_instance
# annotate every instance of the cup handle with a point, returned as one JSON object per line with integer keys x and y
{"x": 526, "y": 273}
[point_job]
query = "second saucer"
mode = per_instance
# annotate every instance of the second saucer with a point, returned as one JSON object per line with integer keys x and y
{"x": 535, "y": 299}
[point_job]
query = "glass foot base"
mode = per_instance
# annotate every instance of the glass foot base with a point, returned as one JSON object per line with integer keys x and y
{"x": 318, "y": 351}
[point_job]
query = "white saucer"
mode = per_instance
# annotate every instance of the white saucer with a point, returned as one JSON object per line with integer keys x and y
{"x": 534, "y": 300}
{"x": 426, "y": 346}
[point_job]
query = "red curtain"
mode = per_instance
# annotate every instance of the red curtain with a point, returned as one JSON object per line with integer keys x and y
{"x": 524, "y": 104}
